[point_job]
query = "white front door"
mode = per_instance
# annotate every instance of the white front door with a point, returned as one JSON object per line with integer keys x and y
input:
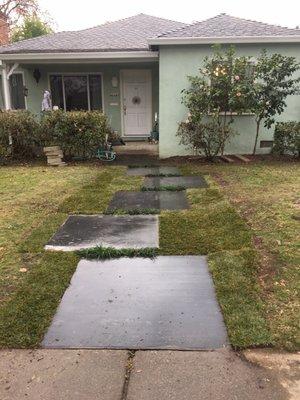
{"x": 136, "y": 102}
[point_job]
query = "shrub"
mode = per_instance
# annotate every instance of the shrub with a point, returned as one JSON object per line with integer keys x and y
{"x": 205, "y": 136}
{"x": 78, "y": 133}
{"x": 287, "y": 138}
{"x": 23, "y": 129}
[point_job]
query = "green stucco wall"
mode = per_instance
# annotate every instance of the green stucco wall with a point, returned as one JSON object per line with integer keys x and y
{"x": 111, "y": 94}
{"x": 176, "y": 63}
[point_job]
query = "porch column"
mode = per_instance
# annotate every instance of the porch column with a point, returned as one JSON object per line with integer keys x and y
{"x": 5, "y": 85}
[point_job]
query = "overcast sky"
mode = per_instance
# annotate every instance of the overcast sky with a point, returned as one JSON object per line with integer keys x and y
{"x": 80, "y": 14}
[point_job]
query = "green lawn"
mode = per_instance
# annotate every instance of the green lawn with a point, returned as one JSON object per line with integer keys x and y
{"x": 246, "y": 222}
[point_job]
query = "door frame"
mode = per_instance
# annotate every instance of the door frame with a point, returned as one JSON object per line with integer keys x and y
{"x": 122, "y": 105}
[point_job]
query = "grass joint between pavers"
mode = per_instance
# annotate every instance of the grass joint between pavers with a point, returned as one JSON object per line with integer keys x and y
{"x": 106, "y": 253}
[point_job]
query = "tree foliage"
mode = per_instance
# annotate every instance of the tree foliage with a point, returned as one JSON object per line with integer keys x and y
{"x": 229, "y": 84}
{"x": 31, "y": 27}
{"x": 273, "y": 82}
{"x": 213, "y": 96}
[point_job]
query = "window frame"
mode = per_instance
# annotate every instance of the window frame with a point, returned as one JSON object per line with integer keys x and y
{"x": 16, "y": 71}
{"x": 87, "y": 74}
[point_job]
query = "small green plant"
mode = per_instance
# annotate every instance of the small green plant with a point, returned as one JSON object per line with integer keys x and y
{"x": 287, "y": 138}
{"x": 104, "y": 253}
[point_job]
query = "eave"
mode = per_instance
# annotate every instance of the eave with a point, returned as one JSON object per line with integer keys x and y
{"x": 228, "y": 39}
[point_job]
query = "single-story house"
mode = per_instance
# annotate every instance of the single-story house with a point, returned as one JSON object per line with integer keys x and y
{"x": 134, "y": 70}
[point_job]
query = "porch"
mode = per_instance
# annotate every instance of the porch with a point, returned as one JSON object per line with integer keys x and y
{"x": 125, "y": 89}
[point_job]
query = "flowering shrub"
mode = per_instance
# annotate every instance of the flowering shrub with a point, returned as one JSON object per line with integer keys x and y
{"x": 211, "y": 99}
{"x": 19, "y": 134}
{"x": 78, "y": 133}
{"x": 206, "y": 137}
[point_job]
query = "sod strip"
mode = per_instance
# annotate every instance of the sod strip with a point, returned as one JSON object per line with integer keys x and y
{"x": 106, "y": 253}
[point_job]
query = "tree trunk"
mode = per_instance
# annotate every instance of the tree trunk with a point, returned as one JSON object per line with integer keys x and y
{"x": 256, "y": 136}
{"x": 223, "y": 133}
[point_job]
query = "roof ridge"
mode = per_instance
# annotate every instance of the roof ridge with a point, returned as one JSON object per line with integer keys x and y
{"x": 227, "y": 15}
{"x": 261, "y": 22}
{"x": 126, "y": 18}
{"x": 190, "y": 25}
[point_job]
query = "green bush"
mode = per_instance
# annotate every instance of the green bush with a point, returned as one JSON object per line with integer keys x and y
{"x": 287, "y": 138}
{"x": 78, "y": 133}
{"x": 23, "y": 129}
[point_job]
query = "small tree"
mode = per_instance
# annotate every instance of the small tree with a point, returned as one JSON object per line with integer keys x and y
{"x": 31, "y": 27}
{"x": 219, "y": 90}
{"x": 273, "y": 82}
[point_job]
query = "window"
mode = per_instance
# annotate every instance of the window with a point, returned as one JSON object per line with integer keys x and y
{"x": 16, "y": 87}
{"x": 76, "y": 92}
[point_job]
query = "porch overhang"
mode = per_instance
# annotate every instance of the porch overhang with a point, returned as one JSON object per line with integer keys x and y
{"x": 82, "y": 57}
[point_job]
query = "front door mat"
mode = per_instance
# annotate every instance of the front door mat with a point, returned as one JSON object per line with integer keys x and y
{"x": 175, "y": 181}
{"x": 127, "y": 201}
{"x": 166, "y": 303}
{"x": 155, "y": 171}
{"x": 119, "y": 231}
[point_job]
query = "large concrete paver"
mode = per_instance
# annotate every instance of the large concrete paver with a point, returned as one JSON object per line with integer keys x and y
{"x": 165, "y": 303}
{"x": 164, "y": 200}
{"x": 119, "y": 231}
{"x": 61, "y": 374}
{"x": 214, "y": 375}
{"x": 182, "y": 181}
{"x": 145, "y": 171}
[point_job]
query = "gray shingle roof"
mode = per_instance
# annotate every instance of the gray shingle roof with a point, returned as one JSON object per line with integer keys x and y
{"x": 224, "y": 25}
{"x": 129, "y": 34}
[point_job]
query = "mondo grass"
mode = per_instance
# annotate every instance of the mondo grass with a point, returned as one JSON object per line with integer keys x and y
{"x": 162, "y": 175}
{"x": 106, "y": 253}
{"x": 171, "y": 188}
{"x": 132, "y": 211}
{"x": 143, "y": 166}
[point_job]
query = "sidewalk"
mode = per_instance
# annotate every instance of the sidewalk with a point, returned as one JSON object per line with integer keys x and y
{"x": 148, "y": 375}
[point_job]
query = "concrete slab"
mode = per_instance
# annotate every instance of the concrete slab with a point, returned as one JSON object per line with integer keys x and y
{"x": 183, "y": 181}
{"x": 144, "y": 171}
{"x": 139, "y": 303}
{"x": 61, "y": 374}
{"x": 215, "y": 375}
{"x": 126, "y": 200}
{"x": 119, "y": 231}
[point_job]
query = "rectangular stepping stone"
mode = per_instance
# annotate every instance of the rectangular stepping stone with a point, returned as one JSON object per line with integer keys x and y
{"x": 126, "y": 200}
{"x": 144, "y": 171}
{"x": 183, "y": 181}
{"x": 119, "y": 231}
{"x": 166, "y": 303}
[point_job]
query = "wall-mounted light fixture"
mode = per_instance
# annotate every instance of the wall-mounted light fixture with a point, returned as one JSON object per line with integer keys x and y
{"x": 114, "y": 81}
{"x": 25, "y": 91}
{"x": 37, "y": 75}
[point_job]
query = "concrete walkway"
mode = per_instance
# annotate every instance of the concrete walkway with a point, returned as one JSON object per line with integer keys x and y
{"x": 148, "y": 375}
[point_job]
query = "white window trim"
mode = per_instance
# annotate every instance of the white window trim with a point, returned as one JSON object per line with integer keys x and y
{"x": 87, "y": 74}
{"x": 17, "y": 71}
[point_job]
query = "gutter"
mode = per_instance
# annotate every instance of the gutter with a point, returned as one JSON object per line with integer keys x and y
{"x": 226, "y": 39}
{"x": 104, "y": 55}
